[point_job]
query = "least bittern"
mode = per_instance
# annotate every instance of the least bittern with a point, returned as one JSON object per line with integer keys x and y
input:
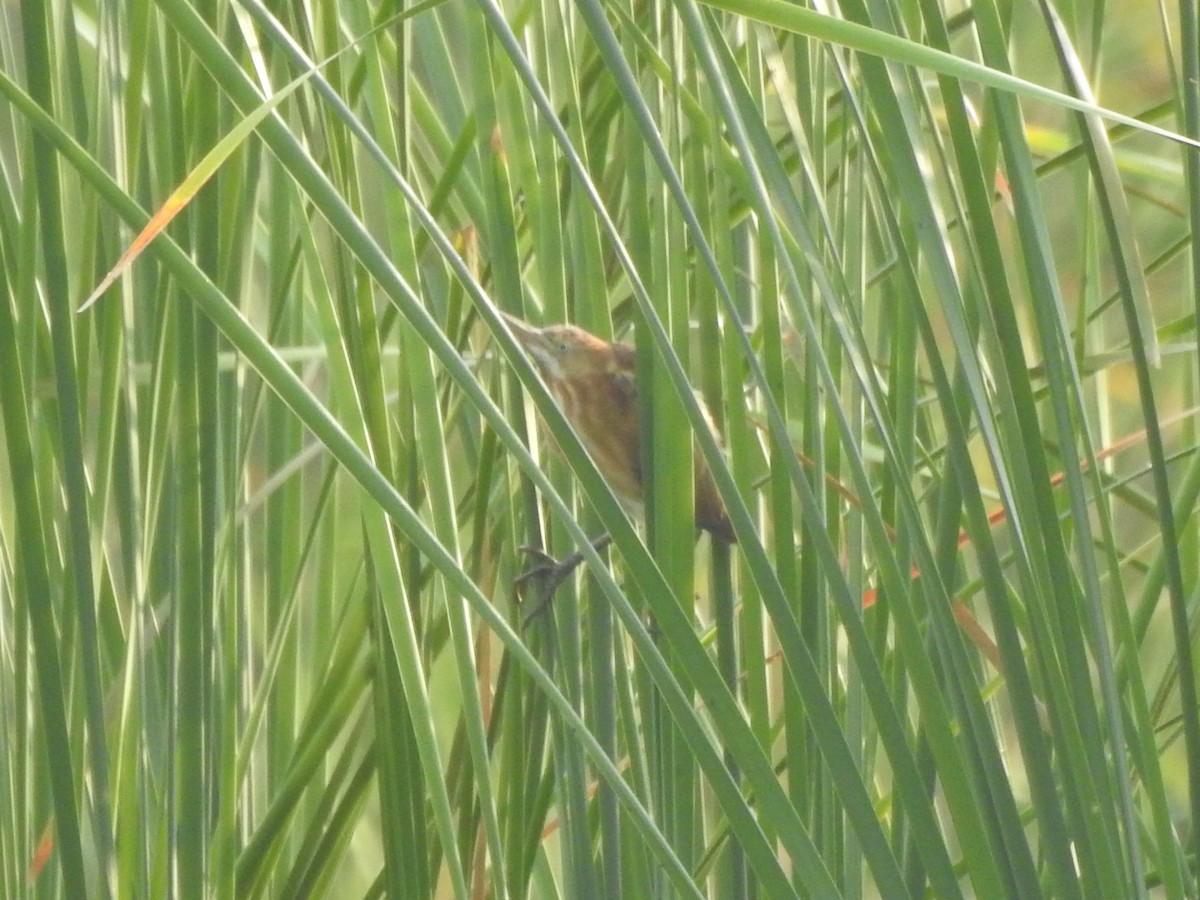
{"x": 595, "y": 385}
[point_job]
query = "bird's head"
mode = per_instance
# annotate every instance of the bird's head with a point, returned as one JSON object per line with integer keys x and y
{"x": 563, "y": 352}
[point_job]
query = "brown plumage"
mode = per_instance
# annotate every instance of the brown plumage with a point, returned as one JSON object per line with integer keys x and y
{"x": 594, "y": 383}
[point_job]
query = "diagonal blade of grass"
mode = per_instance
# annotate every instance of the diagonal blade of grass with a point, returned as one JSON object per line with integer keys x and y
{"x": 790, "y": 17}
{"x": 225, "y": 148}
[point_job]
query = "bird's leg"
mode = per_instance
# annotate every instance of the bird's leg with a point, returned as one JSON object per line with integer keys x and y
{"x": 552, "y": 572}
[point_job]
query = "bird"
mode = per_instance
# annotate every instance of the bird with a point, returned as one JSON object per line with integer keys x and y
{"x": 594, "y": 383}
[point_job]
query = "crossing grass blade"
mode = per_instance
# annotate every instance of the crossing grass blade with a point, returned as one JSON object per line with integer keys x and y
{"x": 938, "y": 311}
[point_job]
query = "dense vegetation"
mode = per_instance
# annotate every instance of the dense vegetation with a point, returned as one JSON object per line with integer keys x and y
{"x": 262, "y": 505}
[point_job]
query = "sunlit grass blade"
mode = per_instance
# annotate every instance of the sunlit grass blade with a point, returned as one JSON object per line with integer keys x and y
{"x": 859, "y": 37}
{"x": 226, "y": 147}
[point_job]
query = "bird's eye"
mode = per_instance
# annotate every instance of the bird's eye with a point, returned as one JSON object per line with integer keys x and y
{"x": 562, "y": 346}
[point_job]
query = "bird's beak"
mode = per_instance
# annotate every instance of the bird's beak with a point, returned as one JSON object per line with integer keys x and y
{"x": 535, "y": 342}
{"x": 525, "y": 333}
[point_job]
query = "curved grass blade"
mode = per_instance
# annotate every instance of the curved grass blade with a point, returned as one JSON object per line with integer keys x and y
{"x": 790, "y": 17}
{"x": 225, "y": 148}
